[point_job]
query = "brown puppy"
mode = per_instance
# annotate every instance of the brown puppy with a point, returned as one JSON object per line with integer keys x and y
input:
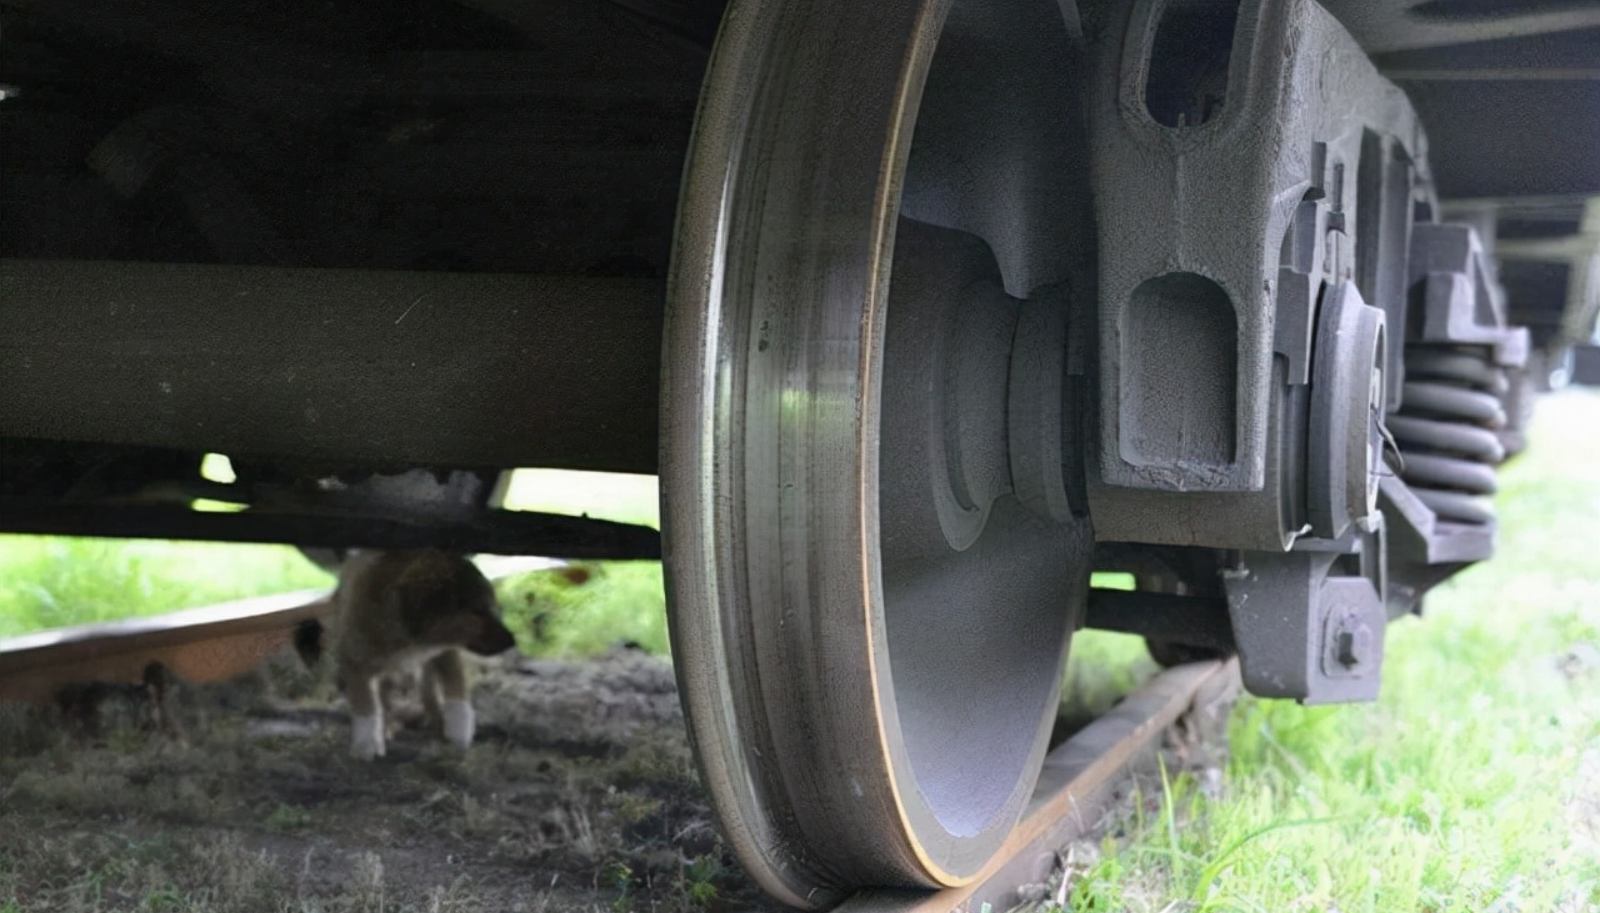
{"x": 396, "y": 611}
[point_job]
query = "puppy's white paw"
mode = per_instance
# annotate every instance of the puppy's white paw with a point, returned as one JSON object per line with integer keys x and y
{"x": 366, "y": 737}
{"x": 459, "y": 722}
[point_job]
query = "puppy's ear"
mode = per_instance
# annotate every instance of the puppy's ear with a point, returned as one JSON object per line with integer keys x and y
{"x": 455, "y": 629}
{"x": 308, "y": 641}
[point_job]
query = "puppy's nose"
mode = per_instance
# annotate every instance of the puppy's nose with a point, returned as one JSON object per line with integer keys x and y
{"x": 494, "y": 638}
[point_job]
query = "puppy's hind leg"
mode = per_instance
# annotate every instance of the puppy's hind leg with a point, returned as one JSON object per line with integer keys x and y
{"x": 366, "y": 717}
{"x": 432, "y": 713}
{"x": 456, "y": 707}
{"x": 390, "y": 688}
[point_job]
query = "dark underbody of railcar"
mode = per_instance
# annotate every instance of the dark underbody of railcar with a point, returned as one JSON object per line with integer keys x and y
{"x": 922, "y": 310}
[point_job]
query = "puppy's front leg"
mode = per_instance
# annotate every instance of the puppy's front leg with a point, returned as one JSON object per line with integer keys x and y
{"x": 366, "y": 717}
{"x": 460, "y": 723}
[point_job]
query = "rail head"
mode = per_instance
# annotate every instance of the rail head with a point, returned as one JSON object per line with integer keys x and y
{"x": 1075, "y": 788}
{"x": 204, "y": 644}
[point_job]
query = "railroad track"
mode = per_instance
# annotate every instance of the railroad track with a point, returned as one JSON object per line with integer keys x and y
{"x": 1077, "y": 786}
{"x": 207, "y": 644}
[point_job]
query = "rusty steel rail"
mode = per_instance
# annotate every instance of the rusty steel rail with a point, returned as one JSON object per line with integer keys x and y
{"x": 197, "y": 645}
{"x": 207, "y": 644}
{"x": 1074, "y": 791}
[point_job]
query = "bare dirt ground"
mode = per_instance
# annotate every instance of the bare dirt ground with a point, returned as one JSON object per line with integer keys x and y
{"x": 580, "y": 794}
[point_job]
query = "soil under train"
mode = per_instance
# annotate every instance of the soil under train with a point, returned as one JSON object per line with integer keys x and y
{"x": 580, "y": 794}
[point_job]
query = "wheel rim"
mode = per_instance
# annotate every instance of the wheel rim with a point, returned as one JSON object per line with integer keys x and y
{"x": 868, "y": 621}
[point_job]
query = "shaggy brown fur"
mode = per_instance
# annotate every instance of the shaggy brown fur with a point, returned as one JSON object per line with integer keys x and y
{"x": 396, "y": 612}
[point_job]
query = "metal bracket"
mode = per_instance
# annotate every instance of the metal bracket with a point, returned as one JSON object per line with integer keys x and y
{"x": 1306, "y": 626}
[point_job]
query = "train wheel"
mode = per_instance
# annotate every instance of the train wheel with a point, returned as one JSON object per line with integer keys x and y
{"x": 874, "y": 565}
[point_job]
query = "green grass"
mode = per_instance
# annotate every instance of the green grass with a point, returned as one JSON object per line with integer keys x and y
{"x": 1473, "y": 785}
{"x": 52, "y": 581}
{"x": 586, "y": 608}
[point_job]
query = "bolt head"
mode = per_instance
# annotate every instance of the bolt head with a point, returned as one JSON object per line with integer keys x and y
{"x": 1353, "y": 643}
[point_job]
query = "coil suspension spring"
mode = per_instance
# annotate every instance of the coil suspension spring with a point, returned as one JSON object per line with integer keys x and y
{"x": 1447, "y": 429}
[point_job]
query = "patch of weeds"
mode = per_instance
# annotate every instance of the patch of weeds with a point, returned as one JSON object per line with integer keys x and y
{"x": 367, "y": 888}
{"x": 284, "y": 817}
{"x": 25, "y": 730}
{"x": 618, "y": 876}
{"x": 79, "y": 872}
{"x": 586, "y": 608}
{"x": 631, "y": 808}
{"x": 697, "y": 881}
{"x": 654, "y": 760}
{"x": 1102, "y": 667}
{"x": 478, "y": 819}
{"x": 1098, "y": 887}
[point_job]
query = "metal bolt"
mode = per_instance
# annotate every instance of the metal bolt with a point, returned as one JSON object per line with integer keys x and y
{"x": 1347, "y": 648}
{"x": 1353, "y": 642}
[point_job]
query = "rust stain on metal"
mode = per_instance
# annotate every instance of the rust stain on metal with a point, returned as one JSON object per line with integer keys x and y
{"x": 199, "y": 645}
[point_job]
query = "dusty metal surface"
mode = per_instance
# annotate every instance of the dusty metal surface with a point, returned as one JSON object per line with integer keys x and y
{"x": 501, "y": 532}
{"x": 386, "y": 367}
{"x": 1499, "y": 84}
{"x": 1193, "y": 621}
{"x": 1203, "y": 347}
{"x": 1073, "y": 791}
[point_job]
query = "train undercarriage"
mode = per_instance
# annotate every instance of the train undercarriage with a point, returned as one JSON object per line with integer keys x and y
{"x": 923, "y": 311}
